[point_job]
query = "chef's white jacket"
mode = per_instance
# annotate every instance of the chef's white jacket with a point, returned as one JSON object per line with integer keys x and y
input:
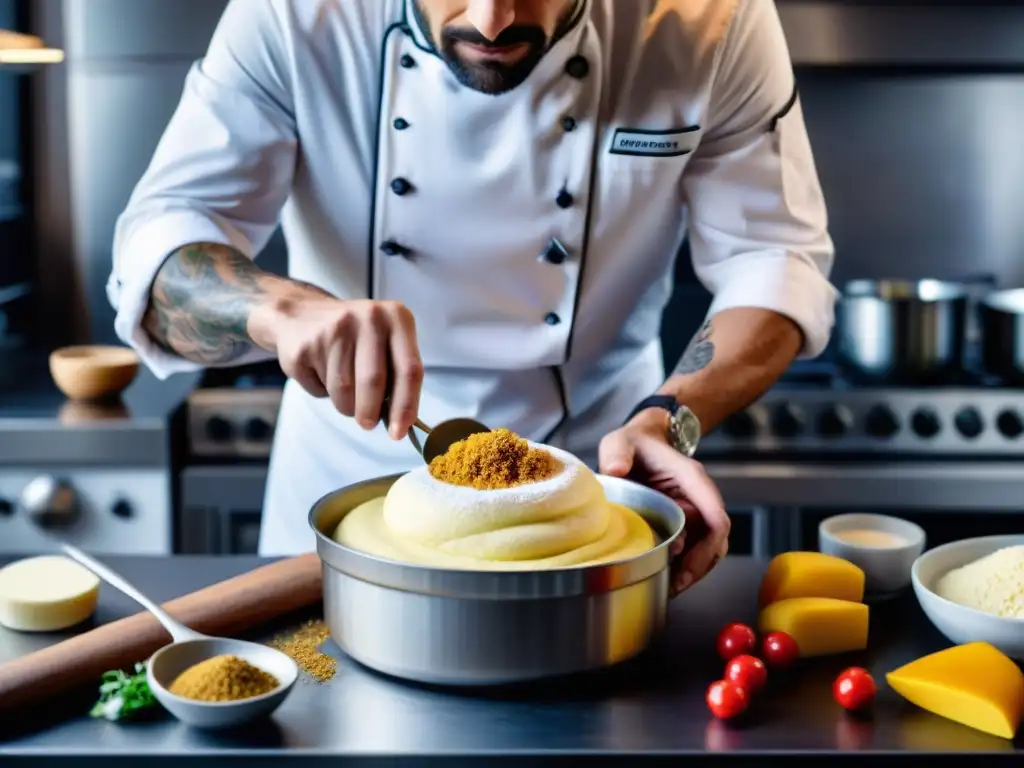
{"x": 532, "y": 234}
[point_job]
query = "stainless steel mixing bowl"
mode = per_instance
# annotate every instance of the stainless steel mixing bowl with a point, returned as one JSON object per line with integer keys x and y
{"x": 479, "y": 628}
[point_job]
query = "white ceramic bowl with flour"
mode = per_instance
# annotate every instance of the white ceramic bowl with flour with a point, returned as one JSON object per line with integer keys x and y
{"x": 989, "y": 584}
{"x": 882, "y": 546}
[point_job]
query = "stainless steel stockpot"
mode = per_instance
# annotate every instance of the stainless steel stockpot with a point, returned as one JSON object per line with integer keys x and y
{"x": 1001, "y": 315}
{"x": 479, "y": 628}
{"x": 901, "y": 331}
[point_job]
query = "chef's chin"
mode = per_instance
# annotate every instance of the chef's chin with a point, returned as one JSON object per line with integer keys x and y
{"x": 489, "y": 76}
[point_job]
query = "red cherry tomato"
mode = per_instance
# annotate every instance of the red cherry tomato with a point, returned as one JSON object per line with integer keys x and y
{"x": 748, "y": 672}
{"x": 780, "y": 649}
{"x": 854, "y": 689}
{"x": 735, "y": 640}
{"x": 726, "y": 700}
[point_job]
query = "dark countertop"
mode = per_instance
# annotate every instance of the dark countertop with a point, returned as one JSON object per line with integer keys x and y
{"x": 38, "y": 424}
{"x": 650, "y": 707}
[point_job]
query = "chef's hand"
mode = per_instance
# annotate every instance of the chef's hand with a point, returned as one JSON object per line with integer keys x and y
{"x": 641, "y": 451}
{"x": 340, "y": 349}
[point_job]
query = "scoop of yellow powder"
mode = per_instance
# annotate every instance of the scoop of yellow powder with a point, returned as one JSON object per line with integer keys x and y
{"x": 493, "y": 460}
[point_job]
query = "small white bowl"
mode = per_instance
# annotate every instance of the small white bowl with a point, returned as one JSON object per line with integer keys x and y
{"x": 886, "y": 568}
{"x": 171, "y": 660}
{"x": 959, "y": 623}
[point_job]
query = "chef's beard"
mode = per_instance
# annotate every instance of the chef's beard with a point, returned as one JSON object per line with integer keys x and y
{"x": 493, "y": 77}
{"x": 490, "y": 77}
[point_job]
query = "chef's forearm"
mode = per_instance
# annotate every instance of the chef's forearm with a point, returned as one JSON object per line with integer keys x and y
{"x": 202, "y": 300}
{"x": 731, "y": 361}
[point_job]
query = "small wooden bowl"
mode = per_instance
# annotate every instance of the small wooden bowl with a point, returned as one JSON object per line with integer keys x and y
{"x": 93, "y": 372}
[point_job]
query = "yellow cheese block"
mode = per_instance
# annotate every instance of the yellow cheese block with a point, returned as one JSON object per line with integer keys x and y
{"x": 46, "y": 594}
{"x": 811, "y": 574}
{"x": 820, "y": 625}
{"x": 975, "y": 684}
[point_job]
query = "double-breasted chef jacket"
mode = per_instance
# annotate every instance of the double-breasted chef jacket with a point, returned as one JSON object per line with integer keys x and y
{"x": 532, "y": 233}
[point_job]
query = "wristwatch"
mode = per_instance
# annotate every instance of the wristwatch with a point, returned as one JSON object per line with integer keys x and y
{"x": 683, "y": 424}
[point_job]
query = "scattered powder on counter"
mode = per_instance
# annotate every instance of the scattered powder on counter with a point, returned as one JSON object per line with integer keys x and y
{"x": 494, "y": 460}
{"x": 223, "y": 678}
{"x": 303, "y": 647}
{"x": 993, "y": 584}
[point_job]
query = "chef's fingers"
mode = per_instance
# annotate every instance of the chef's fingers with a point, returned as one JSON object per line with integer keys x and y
{"x": 340, "y": 377}
{"x": 700, "y": 561}
{"x": 408, "y": 373}
{"x": 702, "y": 493}
{"x": 371, "y": 367}
{"x": 616, "y": 453}
{"x": 309, "y": 380}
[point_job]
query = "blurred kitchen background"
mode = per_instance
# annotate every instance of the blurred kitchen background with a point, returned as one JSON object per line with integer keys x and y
{"x": 915, "y": 111}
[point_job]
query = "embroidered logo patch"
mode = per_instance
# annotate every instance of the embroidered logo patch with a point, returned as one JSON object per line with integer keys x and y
{"x": 641, "y": 143}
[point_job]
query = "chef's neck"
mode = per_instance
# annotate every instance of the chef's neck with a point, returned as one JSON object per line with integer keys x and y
{"x": 494, "y": 78}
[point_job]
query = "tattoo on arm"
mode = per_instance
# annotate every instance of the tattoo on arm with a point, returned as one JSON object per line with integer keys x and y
{"x": 698, "y": 354}
{"x": 200, "y": 303}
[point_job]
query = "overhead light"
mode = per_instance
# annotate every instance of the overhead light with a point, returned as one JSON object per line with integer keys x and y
{"x": 21, "y": 50}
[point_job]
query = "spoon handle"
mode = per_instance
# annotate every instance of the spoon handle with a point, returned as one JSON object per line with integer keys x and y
{"x": 178, "y": 631}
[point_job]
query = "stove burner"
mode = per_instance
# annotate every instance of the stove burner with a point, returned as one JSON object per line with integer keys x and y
{"x": 817, "y": 412}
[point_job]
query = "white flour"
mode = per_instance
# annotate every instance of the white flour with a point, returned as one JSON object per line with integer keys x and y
{"x": 994, "y": 584}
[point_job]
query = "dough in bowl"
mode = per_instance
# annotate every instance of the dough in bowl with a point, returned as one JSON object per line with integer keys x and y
{"x": 562, "y": 520}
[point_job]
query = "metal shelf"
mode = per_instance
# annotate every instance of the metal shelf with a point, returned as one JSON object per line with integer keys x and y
{"x": 833, "y": 33}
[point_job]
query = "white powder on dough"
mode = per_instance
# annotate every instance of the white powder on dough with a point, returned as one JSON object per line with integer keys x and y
{"x": 994, "y": 584}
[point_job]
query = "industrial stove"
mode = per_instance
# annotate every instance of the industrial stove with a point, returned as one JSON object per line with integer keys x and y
{"x": 817, "y": 443}
{"x": 98, "y": 476}
{"x": 230, "y": 421}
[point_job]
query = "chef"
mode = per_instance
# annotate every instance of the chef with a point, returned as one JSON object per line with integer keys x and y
{"x": 489, "y": 194}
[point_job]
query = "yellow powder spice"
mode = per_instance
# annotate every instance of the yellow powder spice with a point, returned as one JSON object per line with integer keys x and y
{"x": 223, "y": 678}
{"x": 303, "y": 647}
{"x": 494, "y": 460}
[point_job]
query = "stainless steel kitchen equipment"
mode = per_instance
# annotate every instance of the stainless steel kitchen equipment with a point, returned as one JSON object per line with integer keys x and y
{"x": 99, "y": 476}
{"x": 1001, "y": 320}
{"x": 229, "y": 429}
{"x": 472, "y": 628}
{"x": 903, "y": 331}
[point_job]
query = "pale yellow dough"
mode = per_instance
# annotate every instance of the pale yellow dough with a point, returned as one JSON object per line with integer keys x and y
{"x": 560, "y": 522}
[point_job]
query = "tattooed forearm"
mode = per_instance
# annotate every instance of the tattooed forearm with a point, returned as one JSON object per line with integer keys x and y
{"x": 200, "y": 303}
{"x": 698, "y": 353}
{"x": 731, "y": 361}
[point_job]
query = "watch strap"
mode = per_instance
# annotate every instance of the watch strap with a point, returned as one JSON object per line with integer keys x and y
{"x": 664, "y": 402}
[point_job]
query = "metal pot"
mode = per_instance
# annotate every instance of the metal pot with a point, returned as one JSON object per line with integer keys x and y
{"x": 1001, "y": 319}
{"x": 477, "y": 628}
{"x": 901, "y": 331}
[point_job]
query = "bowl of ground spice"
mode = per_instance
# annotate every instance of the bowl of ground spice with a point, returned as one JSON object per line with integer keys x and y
{"x": 502, "y": 561}
{"x": 217, "y": 683}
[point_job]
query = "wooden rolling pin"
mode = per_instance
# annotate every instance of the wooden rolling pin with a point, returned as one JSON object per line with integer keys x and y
{"x": 226, "y": 609}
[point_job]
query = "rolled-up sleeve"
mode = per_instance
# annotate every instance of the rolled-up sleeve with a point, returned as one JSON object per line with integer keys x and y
{"x": 758, "y": 222}
{"x": 221, "y": 172}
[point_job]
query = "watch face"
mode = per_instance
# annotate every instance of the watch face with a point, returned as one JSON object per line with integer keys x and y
{"x": 685, "y": 429}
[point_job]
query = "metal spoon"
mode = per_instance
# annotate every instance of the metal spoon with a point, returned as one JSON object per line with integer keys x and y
{"x": 190, "y": 648}
{"x": 440, "y": 437}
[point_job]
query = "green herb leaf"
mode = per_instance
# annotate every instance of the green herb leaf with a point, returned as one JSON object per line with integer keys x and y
{"x": 123, "y": 696}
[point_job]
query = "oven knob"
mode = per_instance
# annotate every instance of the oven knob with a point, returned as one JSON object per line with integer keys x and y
{"x": 50, "y": 503}
{"x": 6, "y": 508}
{"x": 740, "y": 426}
{"x": 219, "y": 430}
{"x": 1010, "y": 424}
{"x": 881, "y": 421}
{"x": 969, "y": 423}
{"x": 257, "y": 430}
{"x": 925, "y": 423}
{"x": 122, "y": 508}
{"x": 834, "y": 421}
{"x": 787, "y": 420}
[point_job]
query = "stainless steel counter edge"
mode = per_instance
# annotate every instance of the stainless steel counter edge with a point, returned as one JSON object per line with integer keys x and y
{"x": 936, "y": 486}
{"x": 45, "y": 428}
